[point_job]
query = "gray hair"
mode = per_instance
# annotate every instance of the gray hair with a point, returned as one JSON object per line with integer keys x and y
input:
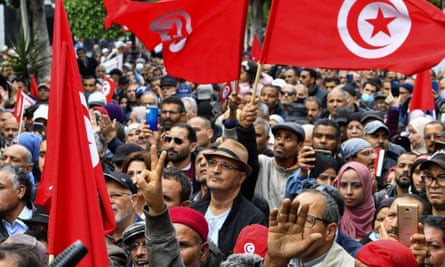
{"x": 191, "y": 103}
{"x": 331, "y": 212}
{"x": 18, "y": 176}
{"x": 242, "y": 260}
{"x": 260, "y": 121}
{"x": 264, "y": 108}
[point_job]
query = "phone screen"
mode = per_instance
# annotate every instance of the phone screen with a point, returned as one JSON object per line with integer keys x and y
{"x": 323, "y": 158}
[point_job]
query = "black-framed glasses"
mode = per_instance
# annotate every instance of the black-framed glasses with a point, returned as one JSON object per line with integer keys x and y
{"x": 289, "y": 93}
{"x": 311, "y": 220}
{"x": 136, "y": 245}
{"x": 177, "y": 140}
{"x": 428, "y": 179}
{"x": 212, "y": 163}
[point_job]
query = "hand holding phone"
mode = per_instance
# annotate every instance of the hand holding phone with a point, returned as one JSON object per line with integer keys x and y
{"x": 407, "y": 221}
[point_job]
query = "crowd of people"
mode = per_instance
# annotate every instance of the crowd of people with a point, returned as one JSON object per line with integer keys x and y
{"x": 315, "y": 167}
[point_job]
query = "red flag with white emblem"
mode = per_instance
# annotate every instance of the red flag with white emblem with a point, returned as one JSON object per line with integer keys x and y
{"x": 72, "y": 187}
{"x": 406, "y": 36}
{"x": 190, "y": 32}
{"x": 108, "y": 88}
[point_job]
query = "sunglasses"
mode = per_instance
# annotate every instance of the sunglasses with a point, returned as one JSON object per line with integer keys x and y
{"x": 289, "y": 93}
{"x": 177, "y": 140}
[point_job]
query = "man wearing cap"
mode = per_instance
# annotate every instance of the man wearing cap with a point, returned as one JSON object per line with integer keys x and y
{"x": 377, "y": 134}
{"x": 227, "y": 211}
{"x": 122, "y": 193}
{"x": 122, "y": 152}
{"x": 43, "y": 93}
{"x": 434, "y": 179}
{"x": 166, "y": 229}
{"x": 168, "y": 86}
{"x": 133, "y": 238}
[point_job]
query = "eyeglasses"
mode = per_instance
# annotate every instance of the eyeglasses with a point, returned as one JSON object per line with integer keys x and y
{"x": 177, "y": 140}
{"x": 432, "y": 136}
{"x": 212, "y": 163}
{"x": 311, "y": 220}
{"x": 428, "y": 179}
{"x": 114, "y": 195}
{"x": 289, "y": 93}
{"x": 135, "y": 245}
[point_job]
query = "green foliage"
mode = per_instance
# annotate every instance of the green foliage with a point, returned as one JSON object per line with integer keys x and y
{"x": 11, "y": 3}
{"x": 86, "y": 19}
{"x": 28, "y": 57}
{"x": 437, "y": 3}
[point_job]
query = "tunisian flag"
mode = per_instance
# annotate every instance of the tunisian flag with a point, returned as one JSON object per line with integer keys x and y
{"x": 72, "y": 187}
{"x": 108, "y": 88}
{"x": 422, "y": 97}
{"x": 406, "y": 36}
{"x": 202, "y": 41}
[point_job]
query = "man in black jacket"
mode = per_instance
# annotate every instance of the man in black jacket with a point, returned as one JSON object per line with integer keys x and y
{"x": 227, "y": 211}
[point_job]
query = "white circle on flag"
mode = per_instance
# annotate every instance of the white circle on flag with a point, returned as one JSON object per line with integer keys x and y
{"x": 367, "y": 40}
{"x": 106, "y": 87}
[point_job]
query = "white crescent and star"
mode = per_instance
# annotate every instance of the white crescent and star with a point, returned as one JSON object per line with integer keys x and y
{"x": 373, "y": 30}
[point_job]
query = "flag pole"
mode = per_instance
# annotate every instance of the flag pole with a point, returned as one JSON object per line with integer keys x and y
{"x": 255, "y": 83}
{"x": 21, "y": 116}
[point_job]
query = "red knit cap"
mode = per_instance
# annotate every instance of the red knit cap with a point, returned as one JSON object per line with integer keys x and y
{"x": 192, "y": 219}
{"x": 386, "y": 253}
{"x": 252, "y": 239}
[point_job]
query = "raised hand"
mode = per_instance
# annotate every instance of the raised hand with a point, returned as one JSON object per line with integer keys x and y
{"x": 150, "y": 182}
{"x": 286, "y": 238}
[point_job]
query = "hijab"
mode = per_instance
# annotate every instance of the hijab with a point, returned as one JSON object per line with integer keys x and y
{"x": 357, "y": 221}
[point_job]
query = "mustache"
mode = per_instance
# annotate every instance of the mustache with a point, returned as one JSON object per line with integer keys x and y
{"x": 394, "y": 231}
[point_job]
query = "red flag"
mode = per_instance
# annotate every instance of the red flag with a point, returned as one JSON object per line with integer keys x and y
{"x": 23, "y": 101}
{"x": 255, "y": 50}
{"x": 422, "y": 97}
{"x": 406, "y": 36}
{"x": 108, "y": 88}
{"x": 227, "y": 89}
{"x": 72, "y": 184}
{"x": 190, "y": 32}
{"x": 34, "y": 88}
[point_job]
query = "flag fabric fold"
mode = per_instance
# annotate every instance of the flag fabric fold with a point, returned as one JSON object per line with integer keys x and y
{"x": 422, "y": 97}
{"x": 23, "y": 101}
{"x": 72, "y": 187}
{"x": 406, "y": 36}
{"x": 202, "y": 41}
{"x": 34, "y": 88}
{"x": 255, "y": 50}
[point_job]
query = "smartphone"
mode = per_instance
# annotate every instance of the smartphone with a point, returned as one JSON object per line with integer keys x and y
{"x": 323, "y": 158}
{"x": 407, "y": 222}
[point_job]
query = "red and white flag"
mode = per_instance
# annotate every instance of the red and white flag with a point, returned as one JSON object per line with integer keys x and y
{"x": 22, "y": 102}
{"x": 406, "y": 36}
{"x": 108, "y": 88}
{"x": 72, "y": 187}
{"x": 227, "y": 89}
{"x": 202, "y": 41}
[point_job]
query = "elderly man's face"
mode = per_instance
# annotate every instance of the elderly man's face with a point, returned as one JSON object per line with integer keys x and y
{"x": 10, "y": 197}
{"x": 122, "y": 203}
{"x": 316, "y": 204}
{"x": 17, "y": 155}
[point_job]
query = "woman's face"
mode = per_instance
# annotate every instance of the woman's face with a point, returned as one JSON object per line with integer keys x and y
{"x": 414, "y": 137}
{"x": 354, "y": 129}
{"x": 244, "y": 77}
{"x": 351, "y": 188}
{"x": 327, "y": 176}
{"x": 417, "y": 178}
